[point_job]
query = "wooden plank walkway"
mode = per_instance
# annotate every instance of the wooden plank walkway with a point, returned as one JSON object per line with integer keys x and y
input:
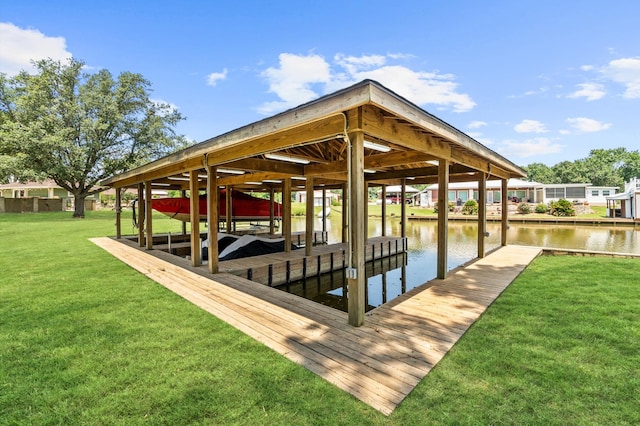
{"x": 378, "y": 363}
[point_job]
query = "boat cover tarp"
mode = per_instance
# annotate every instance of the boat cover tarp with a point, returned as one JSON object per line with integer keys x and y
{"x": 245, "y": 207}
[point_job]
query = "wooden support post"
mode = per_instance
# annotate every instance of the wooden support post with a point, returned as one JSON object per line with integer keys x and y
{"x": 141, "y": 216}
{"x": 272, "y": 215}
{"x": 366, "y": 211}
{"x": 229, "y": 206}
{"x": 482, "y": 213}
{"x": 184, "y": 224}
{"x": 118, "y": 213}
{"x": 403, "y": 208}
{"x": 384, "y": 210}
{"x": 505, "y": 213}
{"x": 324, "y": 213}
{"x": 308, "y": 236}
{"x": 443, "y": 217}
{"x": 148, "y": 215}
{"x": 194, "y": 204}
{"x": 356, "y": 277}
{"x": 345, "y": 210}
{"x": 286, "y": 214}
{"x": 212, "y": 218}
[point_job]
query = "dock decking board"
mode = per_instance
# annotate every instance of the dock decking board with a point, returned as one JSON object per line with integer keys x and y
{"x": 378, "y": 363}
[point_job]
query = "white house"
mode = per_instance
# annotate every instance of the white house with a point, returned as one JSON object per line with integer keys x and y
{"x": 301, "y": 197}
{"x": 461, "y": 192}
{"x": 627, "y": 203}
{"x": 580, "y": 192}
{"x": 394, "y": 194}
{"x": 521, "y": 190}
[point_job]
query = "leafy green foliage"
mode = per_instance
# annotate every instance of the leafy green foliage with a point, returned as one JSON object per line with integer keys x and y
{"x": 562, "y": 207}
{"x": 451, "y": 204}
{"x": 470, "y": 207}
{"x": 541, "y": 208}
{"x": 538, "y": 172}
{"x": 603, "y": 167}
{"x": 78, "y": 128}
{"x": 524, "y": 208}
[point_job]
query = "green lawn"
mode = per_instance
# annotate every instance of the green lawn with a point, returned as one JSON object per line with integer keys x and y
{"x": 84, "y": 339}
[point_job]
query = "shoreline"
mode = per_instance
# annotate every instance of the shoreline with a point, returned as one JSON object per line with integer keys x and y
{"x": 542, "y": 220}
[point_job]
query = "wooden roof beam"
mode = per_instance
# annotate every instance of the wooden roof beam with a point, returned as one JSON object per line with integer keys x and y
{"x": 260, "y": 165}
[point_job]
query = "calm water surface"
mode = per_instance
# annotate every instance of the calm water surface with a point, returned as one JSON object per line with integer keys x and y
{"x": 390, "y": 280}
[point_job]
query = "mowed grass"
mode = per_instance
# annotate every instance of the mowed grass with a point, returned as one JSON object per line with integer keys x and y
{"x": 84, "y": 339}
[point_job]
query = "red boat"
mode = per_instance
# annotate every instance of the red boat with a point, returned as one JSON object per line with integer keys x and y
{"x": 245, "y": 207}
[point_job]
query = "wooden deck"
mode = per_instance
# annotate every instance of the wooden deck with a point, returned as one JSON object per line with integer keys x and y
{"x": 378, "y": 363}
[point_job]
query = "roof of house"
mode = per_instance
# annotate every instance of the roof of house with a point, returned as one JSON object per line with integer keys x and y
{"x": 491, "y": 184}
{"x": 398, "y": 188}
{"x": 31, "y": 185}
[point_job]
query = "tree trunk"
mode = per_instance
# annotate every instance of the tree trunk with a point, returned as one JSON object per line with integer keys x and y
{"x": 78, "y": 210}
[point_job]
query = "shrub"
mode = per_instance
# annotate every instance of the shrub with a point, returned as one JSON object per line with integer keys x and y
{"x": 562, "y": 207}
{"x": 541, "y": 208}
{"x": 524, "y": 208}
{"x": 451, "y": 207}
{"x": 470, "y": 207}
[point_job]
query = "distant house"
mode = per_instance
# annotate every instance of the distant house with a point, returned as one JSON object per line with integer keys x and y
{"x": 580, "y": 192}
{"x": 393, "y": 194}
{"x": 44, "y": 189}
{"x": 520, "y": 190}
{"x": 627, "y": 203}
{"x": 301, "y": 197}
{"x": 33, "y": 196}
{"x": 461, "y": 192}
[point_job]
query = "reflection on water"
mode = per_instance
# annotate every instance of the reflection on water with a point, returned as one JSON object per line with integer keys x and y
{"x": 386, "y": 280}
{"x": 421, "y": 261}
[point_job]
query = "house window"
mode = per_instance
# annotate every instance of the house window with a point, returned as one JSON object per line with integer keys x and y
{"x": 576, "y": 192}
{"x": 595, "y": 193}
{"x": 554, "y": 192}
{"x": 605, "y": 192}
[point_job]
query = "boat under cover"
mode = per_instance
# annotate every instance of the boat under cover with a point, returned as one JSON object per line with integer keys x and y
{"x": 244, "y": 207}
{"x": 237, "y": 247}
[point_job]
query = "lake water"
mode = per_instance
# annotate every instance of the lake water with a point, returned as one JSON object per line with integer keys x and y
{"x": 388, "y": 281}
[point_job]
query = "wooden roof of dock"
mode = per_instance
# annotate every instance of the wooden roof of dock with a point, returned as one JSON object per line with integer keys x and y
{"x": 315, "y": 133}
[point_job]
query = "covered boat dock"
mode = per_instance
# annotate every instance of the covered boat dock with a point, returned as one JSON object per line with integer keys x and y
{"x": 359, "y": 137}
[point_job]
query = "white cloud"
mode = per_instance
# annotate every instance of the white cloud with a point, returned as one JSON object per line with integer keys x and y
{"x": 587, "y": 125}
{"x": 529, "y": 148}
{"x": 476, "y": 124}
{"x": 530, "y": 126}
{"x": 421, "y": 87}
{"x": 21, "y": 46}
{"x": 214, "y": 77}
{"x": 627, "y": 72}
{"x": 587, "y": 67}
{"x": 293, "y": 81}
{"x": 401, "y": 55}
{"x": 355, "y": 64}
{"x": 590, "y": 91}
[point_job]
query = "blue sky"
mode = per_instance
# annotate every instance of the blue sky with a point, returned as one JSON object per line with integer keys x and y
{"x": 536, "y": 81}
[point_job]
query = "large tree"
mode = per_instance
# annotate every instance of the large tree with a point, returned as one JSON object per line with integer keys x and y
{"x": 541, "y": 173}
{"x": 79, "y": 128}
